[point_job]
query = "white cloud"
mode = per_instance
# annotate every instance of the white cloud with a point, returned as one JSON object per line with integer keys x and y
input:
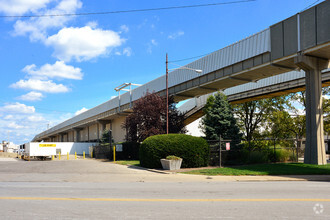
{"x": 124, "y": 29}
{"x": 23, "y": 127}
{"x": 151, "y": 44}
{"x": 175, "y": 35}
{"x": 37, "y": 28}
{"x": 18, "y": 108}
{"x": 80, "y": 111}
{"x": 31, "y": 96}
{"x": 92, "y": 24}
{"x": 154, "y": 42}
{"x": 127, "y": 51}
{"x": 14, "y": 125}
{"x": 8, "y": 117}
{"x": 39, "y": 85}
{"x": 83, "y": 43}
{"x": 36, "y": 118}
{"x": 19, "y": 7}
{"x": 58, "y": 70}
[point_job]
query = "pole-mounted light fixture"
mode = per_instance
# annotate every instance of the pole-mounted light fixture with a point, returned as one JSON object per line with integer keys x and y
{"x": 180, "y": 67}
{"x": 122, "y": 88}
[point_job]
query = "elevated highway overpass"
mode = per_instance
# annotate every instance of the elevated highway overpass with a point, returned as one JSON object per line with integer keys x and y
{"x": 299, "y": 42}
{"x": 273, "y": 86}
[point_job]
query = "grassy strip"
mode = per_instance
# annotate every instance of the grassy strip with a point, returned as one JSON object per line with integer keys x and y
{"x": 267, "y": 169}
{"x": 128, "y": 162}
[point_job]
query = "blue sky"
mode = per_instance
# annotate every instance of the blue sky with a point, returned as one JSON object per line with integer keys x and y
{"x": 54, "y": 67}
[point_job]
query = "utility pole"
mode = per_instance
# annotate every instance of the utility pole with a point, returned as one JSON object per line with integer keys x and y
{"x": 166, "y": 93}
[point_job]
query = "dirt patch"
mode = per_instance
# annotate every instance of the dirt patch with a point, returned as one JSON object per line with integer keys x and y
{"x": 6, "y": 154}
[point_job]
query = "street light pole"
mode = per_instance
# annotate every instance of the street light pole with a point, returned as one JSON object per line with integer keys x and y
{"x": 181, "y": 67}
{"x": 166, "y": 93}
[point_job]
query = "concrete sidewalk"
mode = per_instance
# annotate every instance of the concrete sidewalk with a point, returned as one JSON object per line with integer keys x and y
{"x": 90, "y": 170}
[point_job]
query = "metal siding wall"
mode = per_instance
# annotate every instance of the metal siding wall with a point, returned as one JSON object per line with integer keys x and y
{"x": 276, "y": 38}
{"x": 290, "y": 35}
{"x": 124, "y": 98}
{"x": 307, "y": 29}
{"x": 323, "y": 22}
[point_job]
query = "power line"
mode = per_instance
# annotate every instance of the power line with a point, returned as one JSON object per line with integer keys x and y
{"x": 311, "y": 5}
{"x": 126, "y": 11}
{"x": 190, "y": 58}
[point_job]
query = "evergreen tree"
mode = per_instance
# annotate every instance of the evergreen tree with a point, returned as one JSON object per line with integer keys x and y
{"x": 219, "y": 120}
{"x": 105, "y": 139}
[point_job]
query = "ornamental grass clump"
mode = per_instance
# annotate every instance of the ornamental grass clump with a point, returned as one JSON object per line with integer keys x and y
{"x": 172, "y": 157}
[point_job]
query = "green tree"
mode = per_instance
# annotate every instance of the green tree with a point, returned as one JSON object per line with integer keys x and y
{"x": 280, "y": 125}
{"x": 300, "y": 97}
{"x": 254, "y": 115}
{"x": 219, "y": 120}
{"x": 105, "y": 137}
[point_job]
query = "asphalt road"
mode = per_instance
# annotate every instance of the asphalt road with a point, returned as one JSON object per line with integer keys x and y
{"x": 99, "y": 190}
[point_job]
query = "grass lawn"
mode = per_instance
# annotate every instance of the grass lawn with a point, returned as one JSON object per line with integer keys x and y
{"x": 128, "y": 162}
{"x": 267, "y": 169}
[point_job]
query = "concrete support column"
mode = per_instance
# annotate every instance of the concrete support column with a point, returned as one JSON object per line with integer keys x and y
{"x": 98, "y": 131}
{"x": 88, "y": 134}
{"x": 103, "y": 124}
{"x": 76, "y": 135}
{"x": 62, "y": 137}
{"x": 315, "y": 149}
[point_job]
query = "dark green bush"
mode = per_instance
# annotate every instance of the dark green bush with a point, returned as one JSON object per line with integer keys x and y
{"x": 258, "y": 157}
{"x": 130, "y": 151}
{"x": 254, "y": 157}
{"x": 193, "y": 150}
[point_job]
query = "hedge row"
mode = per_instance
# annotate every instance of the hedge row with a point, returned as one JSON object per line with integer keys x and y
{"x": 193, "y": 150}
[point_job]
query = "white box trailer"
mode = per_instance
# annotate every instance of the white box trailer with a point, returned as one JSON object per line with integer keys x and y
{"x": 47, "y": 149}
{"x": 39, "y": 150}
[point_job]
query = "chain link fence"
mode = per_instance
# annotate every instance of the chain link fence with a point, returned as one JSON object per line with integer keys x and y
{"x": 256, "y": 151}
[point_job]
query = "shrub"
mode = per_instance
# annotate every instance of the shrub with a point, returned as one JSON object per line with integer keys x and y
{"x": 193, "y": 150}
{"x": 282, "y": 155}
{"x": 254, "y": 157}
{"x": 131, "y": 150}
{"x": 258, "y": 157}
